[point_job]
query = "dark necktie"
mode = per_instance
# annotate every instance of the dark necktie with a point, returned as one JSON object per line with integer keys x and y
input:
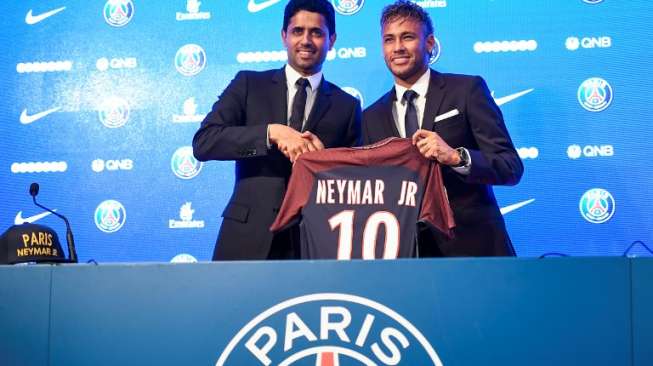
{"x": 299, "y": 105}
{"x": 410, "y": 122}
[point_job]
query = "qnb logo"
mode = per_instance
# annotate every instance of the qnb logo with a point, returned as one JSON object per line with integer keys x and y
{"x": 44, "y": 66}
{"x": 183, "y": 258}
{"x": 99, "y": 165}
{"x": 261, "y": 56}
{"x": 431, "y": 3}
{"x": 574, "y": 43}
{"x": 597, "y": 205}
{"x": 183, "y": 163}
{"x": 116, "y": 63}
{"x": 595, "y": 94}
{"x": 117, "y": 13}
{"x": 346, "y": 53}
{"x": 435, "y": 52}
{"x": 528, "y": 152}
{"x": 39, "y": 167}
{"x": 329, "y": 329}
{"x": 347, "y": 7}
{"x": 505, "y": 46}
{"x": 590, "y": 151}
{"x": 110, "y": 216}
{"x": 190, "y": 113}
{"x": 190, "y": 60}
{"x": 186, "y": 215}
{"x": 193, "y": 12}
{"x": 354, "y": 93}
{"x": 114, "y": 112}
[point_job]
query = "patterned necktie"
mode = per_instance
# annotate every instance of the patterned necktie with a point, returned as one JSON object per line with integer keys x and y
{"x": 299, "y": 105}
{"x": 410, "y": 122}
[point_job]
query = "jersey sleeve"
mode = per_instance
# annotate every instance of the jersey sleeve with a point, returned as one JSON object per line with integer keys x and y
{"x": 435, "y": 209}
{"x": 297, "y": 194}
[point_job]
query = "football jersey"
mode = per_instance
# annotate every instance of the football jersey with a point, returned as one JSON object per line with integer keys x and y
{"x": 364, "y": 202}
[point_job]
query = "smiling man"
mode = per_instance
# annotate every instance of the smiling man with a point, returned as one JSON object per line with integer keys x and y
{"x": 453, "y": 120}
{"x": 265, "y": 120}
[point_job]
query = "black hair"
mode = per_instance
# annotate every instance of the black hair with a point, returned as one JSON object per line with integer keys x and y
{"x": 404, "y": 9}
{"x": 322, "y": 7}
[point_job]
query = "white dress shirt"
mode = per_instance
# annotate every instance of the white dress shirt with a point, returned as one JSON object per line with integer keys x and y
{"x": 291, "y": 78}
{"x": 399, "y": 107}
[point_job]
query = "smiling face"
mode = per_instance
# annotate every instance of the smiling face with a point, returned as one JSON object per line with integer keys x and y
{"x": 406, "y": 49}
{"x": 307, "y": 41}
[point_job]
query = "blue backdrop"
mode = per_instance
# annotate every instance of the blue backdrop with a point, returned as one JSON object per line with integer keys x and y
{"x": 100, "y": 101}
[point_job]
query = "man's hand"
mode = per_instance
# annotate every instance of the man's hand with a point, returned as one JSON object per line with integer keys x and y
{"x": 432, "y": 146}
{"x": 293, "y": 143}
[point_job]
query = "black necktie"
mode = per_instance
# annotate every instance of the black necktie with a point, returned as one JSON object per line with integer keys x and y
{"x": 410, "y": 122}
{"x": 299, "y": 105}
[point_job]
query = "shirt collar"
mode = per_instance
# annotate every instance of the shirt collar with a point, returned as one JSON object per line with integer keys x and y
{"x": 421, "y": 86}
{"x": 292, "y": 76}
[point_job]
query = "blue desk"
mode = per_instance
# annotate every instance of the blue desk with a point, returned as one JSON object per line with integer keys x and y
{"x": 558, "y": 311}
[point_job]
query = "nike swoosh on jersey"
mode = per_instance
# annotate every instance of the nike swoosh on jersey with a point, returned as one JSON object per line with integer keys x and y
{"x": 511, "y": 97}
{"x": 255, "y": 7}
{"x": 513, "y": 207}
{"x": 33, "y": 19}
{"x": 27, "y": 119}
{"x": 19, "y": 220}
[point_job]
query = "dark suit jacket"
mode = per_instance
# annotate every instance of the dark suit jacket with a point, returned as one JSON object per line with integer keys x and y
{"x": 236, "y": 129}
{"x": 479, "y": 127}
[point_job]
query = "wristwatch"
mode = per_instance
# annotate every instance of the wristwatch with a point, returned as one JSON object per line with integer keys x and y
{"x": 465, "y": 160}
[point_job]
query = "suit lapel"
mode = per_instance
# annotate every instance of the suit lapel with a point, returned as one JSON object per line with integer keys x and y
{"x": 388, "y": 123}
{"x": 279, "y": 97}
{"x": 320, "y": 106}
{"x": 434, "y": 97}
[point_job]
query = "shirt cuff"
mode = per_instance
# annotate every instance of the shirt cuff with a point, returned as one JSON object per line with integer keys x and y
{"x": 267, "y": 138}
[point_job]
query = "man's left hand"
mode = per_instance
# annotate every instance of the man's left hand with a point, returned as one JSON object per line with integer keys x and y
{"x": 432, "y": 146}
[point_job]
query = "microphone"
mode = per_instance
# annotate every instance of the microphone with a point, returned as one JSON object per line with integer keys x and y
{"x": 72, "y": 254}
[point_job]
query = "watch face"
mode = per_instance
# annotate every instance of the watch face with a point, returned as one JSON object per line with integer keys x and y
{"x": 464, "y": 157}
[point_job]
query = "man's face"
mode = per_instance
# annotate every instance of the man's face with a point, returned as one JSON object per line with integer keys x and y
{"x": 307, "y": 40}
{"x": 406, "y": 49}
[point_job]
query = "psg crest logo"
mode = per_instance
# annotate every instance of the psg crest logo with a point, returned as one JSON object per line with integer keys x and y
{"x": 184, "y": 164}
{"x": 110, "y": 216}
{"x": 347, "y": 7}
{"x": 597, "y": 205}
{"x": 190, "y": 60}
{"x": 329, "y": 329}
{"x": 435, "y": 53}
{"x": 595, "y": 94}
{"x": 118, "y": 13}
{"x": 114, "y": 112}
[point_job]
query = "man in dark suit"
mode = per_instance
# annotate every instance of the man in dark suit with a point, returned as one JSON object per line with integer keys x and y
{"x": 264, "y": 120}
{"x": 454, "y": 120}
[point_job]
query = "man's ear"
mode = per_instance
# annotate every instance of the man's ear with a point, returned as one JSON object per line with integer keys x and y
{"x": 283, "y": 38}
{"x": 332, "y": 41}
{"x": 430, "y": 43}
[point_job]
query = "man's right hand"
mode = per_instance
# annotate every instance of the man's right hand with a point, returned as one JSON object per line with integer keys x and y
{"x": 291, "y": 142}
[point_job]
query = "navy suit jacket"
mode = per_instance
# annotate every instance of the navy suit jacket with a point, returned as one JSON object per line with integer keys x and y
{"x": 479, "y": 127}
{"x": 236, "y": 129}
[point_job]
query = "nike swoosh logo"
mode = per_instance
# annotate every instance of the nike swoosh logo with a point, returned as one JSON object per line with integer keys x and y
{"x": 33, "y": 19}
{"x": 19, "y": 220}
{"x": 513, "y": 207}
{"x": 27, "y": 119}
{"x": 511, "y": 97}
{"x": 255, "y": 7}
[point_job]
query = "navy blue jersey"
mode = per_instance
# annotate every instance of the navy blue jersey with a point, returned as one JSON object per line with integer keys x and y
{"x": 364, "y": 203}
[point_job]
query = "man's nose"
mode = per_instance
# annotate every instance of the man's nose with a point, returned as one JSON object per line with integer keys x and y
{"x": 306, "y": 38}
{"x": 398, "y": 46}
